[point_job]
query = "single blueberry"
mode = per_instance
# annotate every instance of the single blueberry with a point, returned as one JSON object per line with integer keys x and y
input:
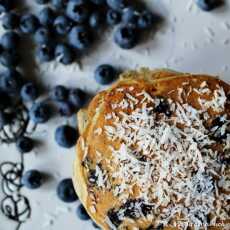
{"x": 42, "y": 2}
{"x": 29, "y": 92}
{"x": 46, "y": 16}
{"x": 66, "y": 136}
{"x": 95, "y": 19}
{"x": 145, "y": 20}
{"x": 163, "y": 107}
{"x": 65, "y": 109}
{"x": 29, "y": 23}
{"x": 77, "y": 97}
{"x": 45, "y": 52}
{"x": 113, "y": 17}
{"x": 66, "y": 192}
{"x": 24, "y": 144}
{"x": 11, "y": 81}
{"x": 62, "y": 25}
{"x": 10, "y": 40}
{"x": 105, "y": 74}
{"x": 32, "y": 179}
{"x": 78, "y": 13}
{"x": 118, "y": 5}
{"x": 130, "y": 16}
{"x": 80, "y": 37}
{"x": 10, "y": 21}
{"x": 42, "y": 35}
{"x": 126, "y": 36}
{"x": 208, "y": 5}
{"x": 81, "y": 213}
{"x": 59, "y": 93}
{"x": 40, "y": 112}
{"x": 64, "y": 54}
{"x": 59, "y": 5}
{"x": 9, "y": 58}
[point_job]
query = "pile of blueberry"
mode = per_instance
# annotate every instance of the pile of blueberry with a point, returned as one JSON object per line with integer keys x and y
{"x": 63, "y": 29}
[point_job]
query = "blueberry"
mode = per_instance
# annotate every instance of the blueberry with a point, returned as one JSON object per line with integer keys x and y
{"x": 66, "y": 136}
{"x": 42, "y": 35}
{"x": 78, "y": 13}
{"x": 59, "y": 93}
{"x": 11, "y": 81}
{"x": 9, "y": 58}
{"x": 46, "y": 16}
{"x": 65, "y": 109}
{"x": 81, "y": 213}
{"x": 24, "y": 144}
{"x": 80, "y": 37}
{"x": 163, "y": 107}
{"x": 95, "y": 19}
{"x": 126, "y": 36}
{"x": 113, "y": 17}
{"x": 10, "y": 21}
{"x": 208, "y": 5}
{"x": 98, "y": 2}
{"x": 114, "y": 217}
{"x": 130, "y": 16}
{"x": 10, "y": 40}
{"x": 62, "y": 25}
{"x": 29, "y": 23}
{"x": 32, "y": 179}
{"x": 40, "y": 112}
{"x": 64, "y": 54}
{"x": 66, "y": 192}
{"x": 77, "y": 97}
{"x": 45, "y": 52}
{"x": 59, "y": 5}
{"x": 29, "y": 92}
{"x": 145, "y": 20}
{"x": 42, "y": 2}
{"x": 105, "y": 74}
{"x": 5, "y": 5}
{"x": 118, "y": 5}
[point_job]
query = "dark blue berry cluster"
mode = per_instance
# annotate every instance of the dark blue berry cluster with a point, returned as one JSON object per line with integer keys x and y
{"x": 63, "y": 29}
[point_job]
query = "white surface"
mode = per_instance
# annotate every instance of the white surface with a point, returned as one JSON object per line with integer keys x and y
{"x": 189, "y": 40}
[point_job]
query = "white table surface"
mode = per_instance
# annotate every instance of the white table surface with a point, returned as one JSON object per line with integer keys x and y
{"x": 189, "y": 40}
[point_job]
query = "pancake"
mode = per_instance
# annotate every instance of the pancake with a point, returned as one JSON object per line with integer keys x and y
{"x": 154, "y": 152}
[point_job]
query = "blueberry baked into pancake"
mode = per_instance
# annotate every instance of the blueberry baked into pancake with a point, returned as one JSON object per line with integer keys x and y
{"x": 154, "y": 153}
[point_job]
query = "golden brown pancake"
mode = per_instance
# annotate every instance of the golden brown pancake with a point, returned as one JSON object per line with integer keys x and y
{"x": 154, "y": 153}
